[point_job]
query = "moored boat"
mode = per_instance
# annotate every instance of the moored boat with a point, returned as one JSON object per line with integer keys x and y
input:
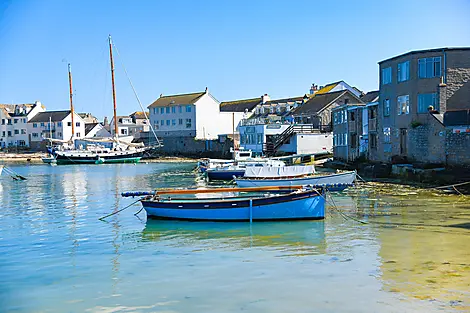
{"x": 299, "y": 203}
{"x": 295, "y": 176}
{"x": 238, "y": 168}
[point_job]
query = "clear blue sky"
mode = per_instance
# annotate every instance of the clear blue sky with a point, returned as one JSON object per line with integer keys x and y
{"x": 239, "y": 49}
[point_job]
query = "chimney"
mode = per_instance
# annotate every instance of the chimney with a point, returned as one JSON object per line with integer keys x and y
{"x": 106, "y": 123}
{"x": 207, "y": 90}
{"x": 161, "y": 95}
{"x": 313, "y": 89}
{"x": 442, "y": 97}
{"x": 265, "y": 98}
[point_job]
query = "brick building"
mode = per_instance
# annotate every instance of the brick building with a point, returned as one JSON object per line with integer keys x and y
{"x": 416, "y": 90}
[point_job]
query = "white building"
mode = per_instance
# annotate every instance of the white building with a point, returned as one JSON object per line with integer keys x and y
{"x": 56, "y": 125}
{"x": 195, "y": 115}
{"x": 129, "y": 126}
{"x": 96, "y": 130}
{"x": 14, "y": 119}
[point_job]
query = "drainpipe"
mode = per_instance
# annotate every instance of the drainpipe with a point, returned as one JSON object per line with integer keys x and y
{"x": 445, "y": 65}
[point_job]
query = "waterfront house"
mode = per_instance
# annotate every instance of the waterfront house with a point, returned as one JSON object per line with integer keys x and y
{"x": 14, "y": 119}
{"x": 96, "y": 130}
{"x": 416, "y": 90}
{"x": 88, "y": 118}
{"x": 55, "y": 125}
{"x": 129, "y": 125}
{"x": 195, "y": 115}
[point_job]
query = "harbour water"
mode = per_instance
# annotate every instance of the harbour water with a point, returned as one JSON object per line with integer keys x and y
{"x": 413, "y": 255}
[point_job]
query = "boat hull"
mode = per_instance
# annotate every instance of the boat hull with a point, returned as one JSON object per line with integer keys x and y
{"x": 99, "y": 159}
{"x": 308, "y": 205}
{"x": 334, "y": 182}
{"x": 224, "y": 174}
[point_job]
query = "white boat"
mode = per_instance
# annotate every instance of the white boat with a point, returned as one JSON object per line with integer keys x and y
{"x": 237, "y": 169}
{"x": 1, "y": 169}
{"x": 293, "y": 176}
{"x": 49, "y": 160}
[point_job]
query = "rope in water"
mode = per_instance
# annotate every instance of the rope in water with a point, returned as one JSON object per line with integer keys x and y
{"x": 111, "y": 214}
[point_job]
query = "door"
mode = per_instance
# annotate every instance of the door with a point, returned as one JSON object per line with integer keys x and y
{"x": 403, "y": 141}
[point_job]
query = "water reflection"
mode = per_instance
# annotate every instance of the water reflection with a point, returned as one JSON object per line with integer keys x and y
{"x": 299, "y": 238}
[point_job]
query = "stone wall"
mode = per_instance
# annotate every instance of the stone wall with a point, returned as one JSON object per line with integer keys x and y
{"x": 457, "y": 148}
{"x": 426, "y": 143}
{"x": 190, "y": 147}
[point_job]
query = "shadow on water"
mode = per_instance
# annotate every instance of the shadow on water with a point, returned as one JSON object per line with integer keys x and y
{"x": 302, "y": 236}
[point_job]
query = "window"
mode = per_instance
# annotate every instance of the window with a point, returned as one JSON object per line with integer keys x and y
{"x": 17, "y": 131}
{"x": 188, "y": 108}
{"x": 353, "y": 140}
{"x": 426, "y": 100}
{"x": 155, "y": 110}
{"x": 59, "y": 124}
{"x": 387, "y": 134}
{"x": 167, "y": 110}
{"x": 403, "y": 104}
{"x": 3, "y": 133}
{"x": 167, "y": 122}
{"x": 42, "y": 124}
{"x": 403, "y": 71}
{"x": 21, "y": 143}
{"x": 259, "y": 139}
{"x": 180, "y": 121}
{"x": 15, "y": 121}
{"x": 9, "y": 134}
{"x": 77, "y": 135}
{"x": 23, "y": 131}
{"x": 173, "y": 109}
{"x": 386, "y": 76}
{"x": 77, "y": 124}
{"x": 188, "y": 123}
{"x": 373, "y": 141}
{"x": 180, "y": 109}
{"x": 162, "y": 122}
{"x": 35, "y": 135}
{"x": 352, "y": 116}
{"x": 24, "y": 121}
{"x": 346, "y": 101}
{"x": 372, "y": 113}
{"x": 429, "y": 67}
{"x": 69, "y": 124}
{"x": 162, "y": 110}
{"x": 9, "y": 121}
{"x": 3, "y": 121}
{"x": 334, "y": 139}
{"x": 386, "y": 107}
{"x": 335, "y": 118}
{"x": 59, "y": 134}
{"x": 35, "y": 125}
{"x": 123, "y": 131}
{"x": 173, "y": 122}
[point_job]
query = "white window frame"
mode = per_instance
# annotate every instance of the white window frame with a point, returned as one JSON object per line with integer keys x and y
{"x": 403, "y": 104}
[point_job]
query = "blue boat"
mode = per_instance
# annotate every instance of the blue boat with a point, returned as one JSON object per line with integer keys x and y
{"x": 224, "y": 174}
{"x": 298, "y": 204}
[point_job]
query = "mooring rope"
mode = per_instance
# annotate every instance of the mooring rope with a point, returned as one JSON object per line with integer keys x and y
{"x": 111, "y": 214}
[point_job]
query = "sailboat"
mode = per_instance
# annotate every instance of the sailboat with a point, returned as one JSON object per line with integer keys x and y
{"x": 98, "y": 151}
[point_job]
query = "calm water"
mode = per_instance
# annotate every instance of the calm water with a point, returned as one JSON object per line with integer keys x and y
{"x": 56, "y": 256}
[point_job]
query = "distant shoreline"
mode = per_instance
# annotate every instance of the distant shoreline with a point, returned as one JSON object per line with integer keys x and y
{"x": 36, "y": 158}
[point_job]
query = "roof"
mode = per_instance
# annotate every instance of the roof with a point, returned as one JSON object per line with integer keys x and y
{"x": 371, "y": 96}
{"x": 285, "y": 100}
{"x": 189, "y": 98}
{"x": 89, "y": 127}
{"x": 53, "y": 116}
{"x": 425, "y": 51}
{"x": 321, "y": 101}
{"x": 327, "y": 88}
{"x": 139, "y": 115}
{"x": 239, "y": 105}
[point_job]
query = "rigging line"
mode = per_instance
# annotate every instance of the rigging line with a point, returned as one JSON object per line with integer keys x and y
{"x": 136, "y": 96}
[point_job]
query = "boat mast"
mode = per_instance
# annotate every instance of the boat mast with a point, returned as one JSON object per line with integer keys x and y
{"x": 112, "y": 81}
{"x": 71, "y": 101}
{"x": 50, "y": 128}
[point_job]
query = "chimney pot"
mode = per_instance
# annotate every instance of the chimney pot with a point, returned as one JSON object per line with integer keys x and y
{"x": 207, "y": 90}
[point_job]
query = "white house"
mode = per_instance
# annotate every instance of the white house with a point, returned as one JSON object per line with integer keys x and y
{"x": 96, "y": 130}
{"x": 190, "y": 115}
{"x": 14, "y": 119}
{"x": 56, "y": 125}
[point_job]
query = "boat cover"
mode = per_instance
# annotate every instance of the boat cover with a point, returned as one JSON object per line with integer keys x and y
{"x": 283, "y": 171}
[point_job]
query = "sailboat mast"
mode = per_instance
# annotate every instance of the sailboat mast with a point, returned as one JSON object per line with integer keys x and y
{"x": 71, "y": 101}
{"x": 112, "y": 81}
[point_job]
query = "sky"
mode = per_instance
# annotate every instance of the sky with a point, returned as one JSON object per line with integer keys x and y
{"x": 238, "y": 49}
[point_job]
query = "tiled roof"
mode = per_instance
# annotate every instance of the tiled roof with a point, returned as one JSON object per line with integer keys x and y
{"x": 321, "y": 101}
{"x": 139, "y": 115}
{"x": 239, "y": 105}
{"x": 189, "y": 98}
{"x": 371, "y": 96}
{"x": 55, "y": 116}
{"x": 327, "y": 88}
{"x": 285, "y": 100}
